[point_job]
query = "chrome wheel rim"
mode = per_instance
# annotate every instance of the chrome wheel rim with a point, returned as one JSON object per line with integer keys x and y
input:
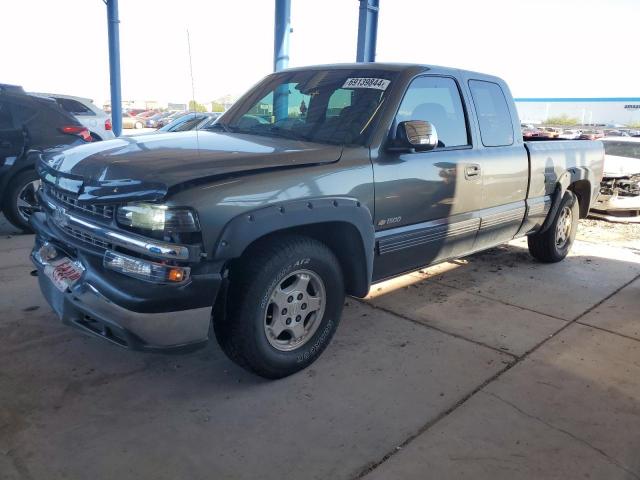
{"x": 27, "y": 200}
{"x": 294, "y": 311}
{"x": 563, "y": 227}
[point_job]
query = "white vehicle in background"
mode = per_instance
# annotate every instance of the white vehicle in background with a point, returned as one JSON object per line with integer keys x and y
{"x": 570, "y": 134}
{"x": 84, "y": 110}
{"x": 619, "y": 198}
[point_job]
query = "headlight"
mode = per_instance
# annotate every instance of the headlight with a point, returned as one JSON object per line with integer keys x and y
{"x": 149, "y": 216}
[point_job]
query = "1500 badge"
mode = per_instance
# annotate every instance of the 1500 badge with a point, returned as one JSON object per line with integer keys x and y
{"x": 389, "y": 221}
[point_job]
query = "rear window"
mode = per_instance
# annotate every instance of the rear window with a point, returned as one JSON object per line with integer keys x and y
{"x": 74, "y": 107}
{"x": 622, "y": 149}
{"x": 496, "y": 127}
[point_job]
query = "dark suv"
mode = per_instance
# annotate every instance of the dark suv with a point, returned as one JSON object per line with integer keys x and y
{"x": 29, "y": 124}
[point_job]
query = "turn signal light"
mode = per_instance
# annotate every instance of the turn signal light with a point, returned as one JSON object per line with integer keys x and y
{"x": 143, "y": 269}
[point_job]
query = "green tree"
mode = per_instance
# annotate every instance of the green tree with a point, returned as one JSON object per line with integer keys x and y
{"x": 635, "y": 125}
{"x": 217, "y": 107}
{"x": 563, "y": 119}
{"x": 196, "y": 107}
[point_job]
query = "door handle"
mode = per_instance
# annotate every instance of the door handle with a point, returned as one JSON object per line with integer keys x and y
{"x": 471, "y": 171}
{"x": 5, "y": 144}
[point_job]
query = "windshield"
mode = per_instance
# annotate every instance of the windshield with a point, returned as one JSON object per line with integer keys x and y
{"x": 327, "y": 106}
{"x": 622, "y": 149}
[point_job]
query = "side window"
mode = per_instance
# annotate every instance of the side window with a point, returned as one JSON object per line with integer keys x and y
{"x": 436, "y": 100}
{"x": 73, "y": 107}
{"x": 339, "y": 100}
{"x": 496, "y": 127}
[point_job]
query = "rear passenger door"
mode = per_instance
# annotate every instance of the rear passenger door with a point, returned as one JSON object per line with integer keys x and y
{"x": 505, "y": 165}
{"x": 426, "y": 202}
{"x": 11, "y": 136}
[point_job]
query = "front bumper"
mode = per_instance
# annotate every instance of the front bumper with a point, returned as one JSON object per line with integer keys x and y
{"x": 125, "y": 311}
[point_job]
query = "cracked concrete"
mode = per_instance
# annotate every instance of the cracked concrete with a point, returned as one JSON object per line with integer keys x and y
{"x": 489, "y": 367}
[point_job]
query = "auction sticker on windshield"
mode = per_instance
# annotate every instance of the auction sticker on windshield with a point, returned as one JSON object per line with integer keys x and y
{"x": 377, "y": 83}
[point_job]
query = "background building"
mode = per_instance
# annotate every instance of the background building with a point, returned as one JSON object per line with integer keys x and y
{"x": 619, "y": 111}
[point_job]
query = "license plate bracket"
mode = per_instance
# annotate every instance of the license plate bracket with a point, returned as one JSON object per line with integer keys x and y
{"x": 64, "y": 272}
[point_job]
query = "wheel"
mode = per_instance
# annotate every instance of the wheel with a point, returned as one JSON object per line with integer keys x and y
{"x": 21, "y": 201}
{"x": 284, "y": 304}
{"x": 554, "y": 243}
{"x": 138, "y": 125}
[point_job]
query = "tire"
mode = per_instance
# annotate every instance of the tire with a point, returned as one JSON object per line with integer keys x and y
{"x": 20, "y": 201}
{"x": 138, "y": 125}
{"x": 260, "y": 291}
{"x": 554, "y": 243}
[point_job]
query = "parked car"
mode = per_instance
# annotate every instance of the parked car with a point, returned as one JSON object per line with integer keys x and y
{"x": 550, "y": 132}
{"x": 591, "y": 135}
{"x": 619, "y": 198}
{"x": 531, "y": 131}
{"x": 132, "y": 121}
{"x": 152, "y": 121}
{"x": 570, "y": 134}
{"x": 86, "y": 112}
{"x": 189, "y": 121}
{"x": 169, "y": 118}
{"x": 28, "y": 125}
{"x": 259, "y": 225}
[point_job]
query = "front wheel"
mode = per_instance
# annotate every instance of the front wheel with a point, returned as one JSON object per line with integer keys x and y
{"x": 284, "y": 304}
{"x": 138, "y": 125}
{"x": 21, "y": 200}
{"x": 554, "y": 243}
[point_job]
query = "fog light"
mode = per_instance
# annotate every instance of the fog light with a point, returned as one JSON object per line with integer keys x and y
{"x": 48, "y": 252}
{"x": 145, "y": 270}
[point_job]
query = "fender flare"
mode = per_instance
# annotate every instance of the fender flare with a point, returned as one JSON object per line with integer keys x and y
{"x": 244, "y": 229}
{"x": 563, "y": 183}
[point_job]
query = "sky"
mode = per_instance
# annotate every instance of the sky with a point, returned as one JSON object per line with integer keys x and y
{"x": 542, "y": 48}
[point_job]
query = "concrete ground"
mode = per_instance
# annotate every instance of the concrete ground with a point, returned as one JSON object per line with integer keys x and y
{"x": 490, "y": 367}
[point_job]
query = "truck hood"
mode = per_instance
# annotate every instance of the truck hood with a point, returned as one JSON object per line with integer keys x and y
{"x": 615, "y": 166}
{"x": 147, "y": 166}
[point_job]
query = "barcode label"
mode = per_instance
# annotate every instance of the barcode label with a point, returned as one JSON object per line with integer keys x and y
{"x": 376, "y": 83}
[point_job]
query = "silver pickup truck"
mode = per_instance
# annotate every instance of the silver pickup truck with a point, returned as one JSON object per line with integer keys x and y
{"x": 318, "y": 182}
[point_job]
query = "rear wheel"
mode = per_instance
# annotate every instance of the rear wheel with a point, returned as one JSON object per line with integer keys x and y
{"x": 554, "y": 243}
{"x": 283, "y": 307}
{"x": 21, "y": 201}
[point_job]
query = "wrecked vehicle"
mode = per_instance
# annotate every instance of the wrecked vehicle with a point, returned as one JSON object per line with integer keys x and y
{"x": 318, "y": 182}
{"x": 619, "y": 198}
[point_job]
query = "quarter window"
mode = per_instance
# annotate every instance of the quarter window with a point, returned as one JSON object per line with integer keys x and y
{"x": 496, "y": 127}
{"x": 436, "y": 100}
{"x": 73, "y": 107}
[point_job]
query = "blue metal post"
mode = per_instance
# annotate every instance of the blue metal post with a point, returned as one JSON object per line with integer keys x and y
{"x": 281, "y": 37}
{"x": 114, "y": 65}
{"x": 367, "y": 31}
{"x": 282, "y": 31}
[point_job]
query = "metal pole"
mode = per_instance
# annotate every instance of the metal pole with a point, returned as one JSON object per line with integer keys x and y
{"x": 281, "y": 37}
{"x": 281, "y": 56}
{"x": 114, "y": 65}
{"x": 367, "y": 31}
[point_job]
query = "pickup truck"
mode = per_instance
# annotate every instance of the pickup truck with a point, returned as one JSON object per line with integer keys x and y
{"x": 318, "y": 182}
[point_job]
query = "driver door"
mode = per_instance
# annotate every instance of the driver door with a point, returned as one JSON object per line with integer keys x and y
{"x": 426, "y": 202}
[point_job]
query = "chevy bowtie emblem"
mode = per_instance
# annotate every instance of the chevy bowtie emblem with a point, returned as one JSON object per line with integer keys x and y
{"x": 60, "y": 217}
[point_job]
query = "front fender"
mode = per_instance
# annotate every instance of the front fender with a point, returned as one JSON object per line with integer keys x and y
{"x": 245, "y": 229}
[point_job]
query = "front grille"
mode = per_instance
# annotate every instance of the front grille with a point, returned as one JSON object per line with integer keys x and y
{"x": 70, "y": 201}
{"x": 86, "y": 237}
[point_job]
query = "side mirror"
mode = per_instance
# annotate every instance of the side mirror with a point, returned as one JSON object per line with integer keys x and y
{"x": 417, "y": 135}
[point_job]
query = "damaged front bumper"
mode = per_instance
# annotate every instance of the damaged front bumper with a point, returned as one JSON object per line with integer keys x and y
{"x": 125, "y": 311}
